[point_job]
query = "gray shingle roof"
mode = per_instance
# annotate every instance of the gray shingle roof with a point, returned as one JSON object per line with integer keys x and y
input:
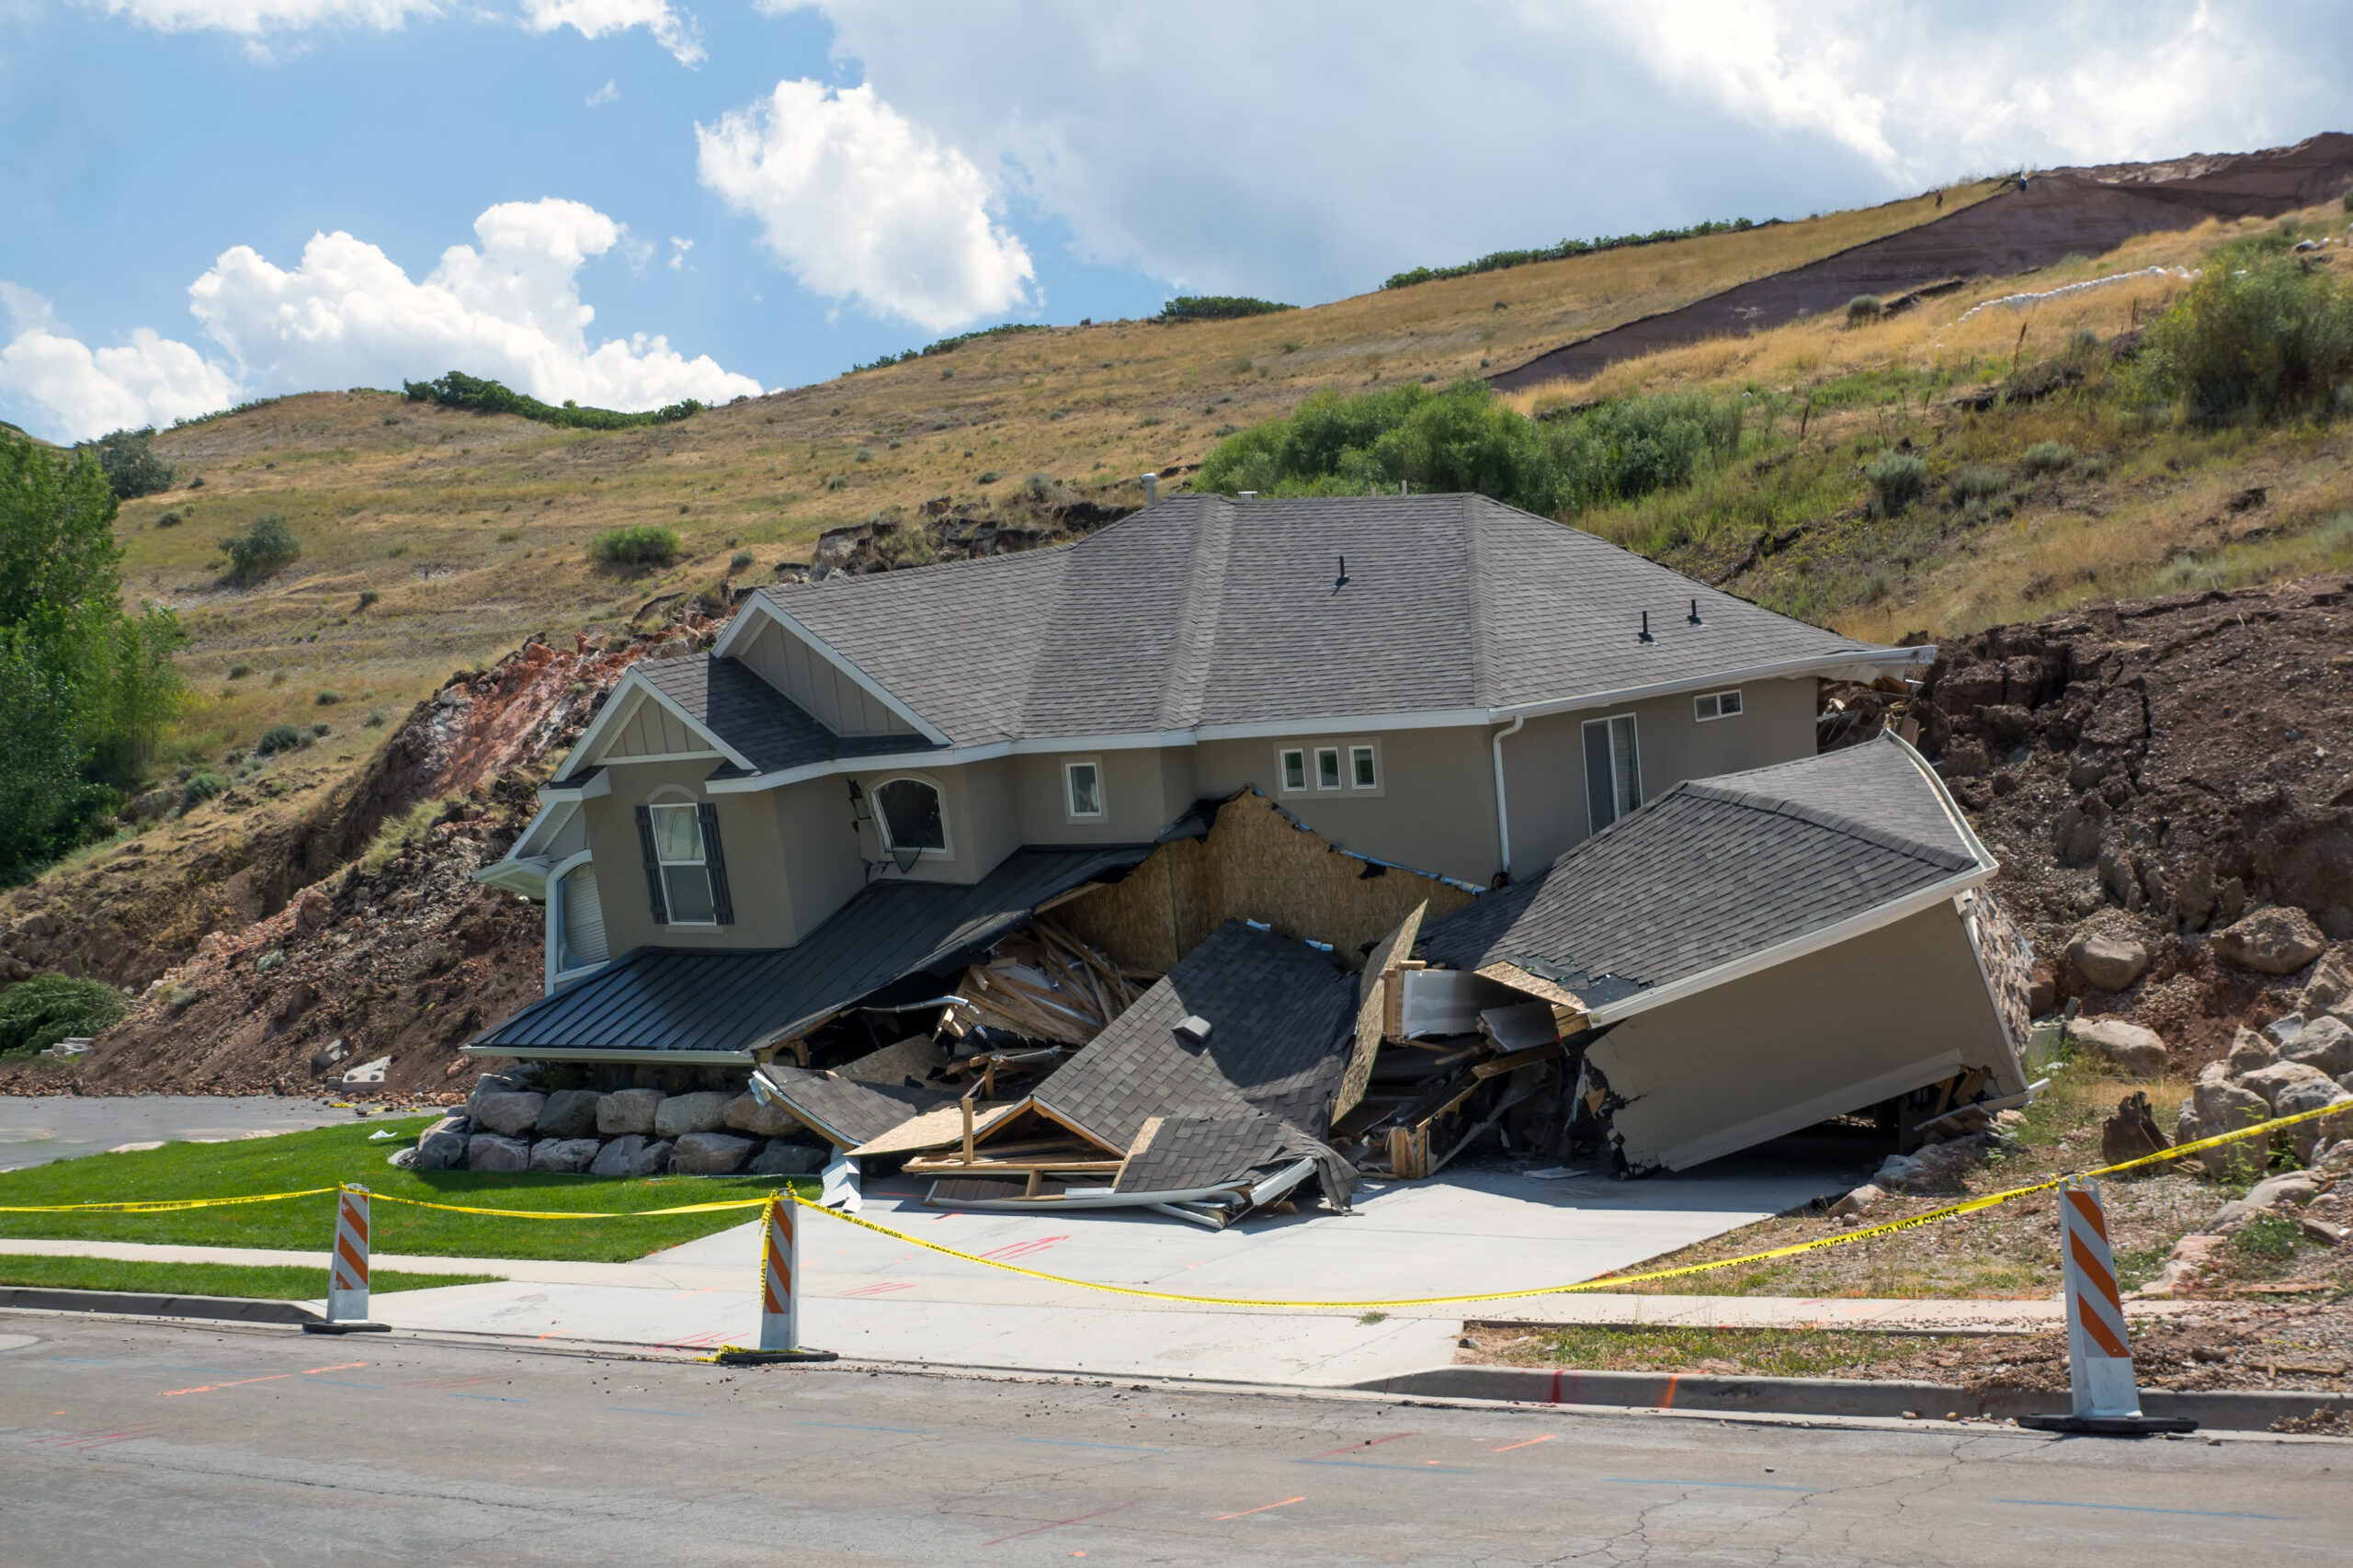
{"x": 1190, "y": 1150}
{"x": 1280, "y": 1014}
{"x": 762, "y": 723}
{"x": 1718, "y": 870}
{"x": 847, "y": 1111}
{"x": 1204, "y": 611}
{"x": 673, "y": 999}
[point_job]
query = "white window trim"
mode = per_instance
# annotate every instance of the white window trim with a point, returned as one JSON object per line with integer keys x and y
{"x": 1733, "y": 692}
{"x": 670, "y": 795}
{"x": 882, "y": 826}
{"x": 554, "y": 941}
{"x": 1641, "y": 785}
{"x": 1102, "y": 810}
{"x": 1339, "y": 756}
{"x": 1282, "y": 770}
{"x": 1349, "y": 768}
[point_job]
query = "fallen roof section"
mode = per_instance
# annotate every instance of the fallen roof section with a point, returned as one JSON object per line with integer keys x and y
{"x": 677, "y": 1005}
{"x": 1720, "y": 877}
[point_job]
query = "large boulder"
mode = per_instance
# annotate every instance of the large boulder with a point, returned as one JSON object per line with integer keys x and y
{"x": 440, "y": 1150}
{"x": 748, "y": 1113}
{"x": 627, "y": 1110}
{"x": 709, "y": 1154}
{"x": 509, "y": 1111}
{"x": 2107, "y": 961}
{"x": 2279, "y": 1077}
{"x": 781, "y": 1158}
{"x": 2329, "y": 986}
{"x": 682, "y": 1114}
{"x": 2324, "y": 1043}
{"x": 632, "y": 1156}
{"x": 2272, "y": 940}
{"x": 2129, "y": 1047}
{"x": 569, "y": 1113}
{"x": 2249, "y": 1051}
{"x": 567, "y": 1156}
{"x": 489, "y": 1151}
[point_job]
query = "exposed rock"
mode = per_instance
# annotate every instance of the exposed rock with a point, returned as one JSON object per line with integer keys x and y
{"x": 625, "y": 1111}
{"x": 569, "y": 1113}
{"x": 708, "y": 1154}
{"x": 1859, "y": 1201}
{"x": 2330, "y": 984}
{"x": 569, "y": 1157}
{"x": 782, "y": 1158}
{"x": 403, "y": 1159}
{"x": 2324, "y": 1043}
{"x": 2278, "y": 1078}
{"x": 2107, "y": 961}
{"x": 631, "y": 1155}
{"x": 2249, "y": 1051}
{"x": 510, "y": 1111}
{"x": 2272, "y": 940}
{"x": 2289, "y": 1190}
{"x": 683, "y": 1114}
{"x": 2128, "y": 1047}
{"x": 489, "y": 1151}
{"x": 745, "y": 1113}
{"x": 2183, "y": 1265}
{"x": 441, "y": 1150}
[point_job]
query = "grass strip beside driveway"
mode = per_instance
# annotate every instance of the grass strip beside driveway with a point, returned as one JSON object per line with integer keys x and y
{"x": 294, "y": 1161}
{"x": 263, "y": 1283}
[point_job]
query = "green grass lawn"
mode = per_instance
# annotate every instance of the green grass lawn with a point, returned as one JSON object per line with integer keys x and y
{"x": 294, "y": 1161}
{"x": 205, "y": 1279}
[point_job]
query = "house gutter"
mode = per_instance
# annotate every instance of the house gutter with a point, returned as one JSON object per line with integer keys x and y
{"x": 1503, "y": 807}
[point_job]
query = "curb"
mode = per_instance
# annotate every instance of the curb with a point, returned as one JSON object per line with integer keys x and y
{"x": 129, "y": 1304}
{"x": 2227, "y": 1409}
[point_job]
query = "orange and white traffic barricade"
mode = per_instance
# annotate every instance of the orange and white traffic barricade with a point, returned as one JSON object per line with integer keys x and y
{"x": 2099, "y": 1357}
{"x": 779, "y": 1291}
{"x": 348, "y": 1270}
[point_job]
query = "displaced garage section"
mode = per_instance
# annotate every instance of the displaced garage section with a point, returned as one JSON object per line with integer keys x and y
{"x": 1751, "y": 954}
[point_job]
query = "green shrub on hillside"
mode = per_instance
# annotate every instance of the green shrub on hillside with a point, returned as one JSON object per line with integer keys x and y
{"x": 1895, "y": 478}
{"x": 2259, "y": 336}
{"x": 1463, "y": 438}
{"x": 1864, "y": 309}
{"x": 133, "y": 467}
{"x": 457, "y": 389}
{"x": 647, "y": 544}
{"x": 1216, "y": 307}
{"x": 2047, "y": 457}
{"x": 278, "y": 738}
{"x": 202, "y": 786}
{"x": 267, "y": 548}
{"x": 36, "y": 1014}
{"x": 1979, "y": 482}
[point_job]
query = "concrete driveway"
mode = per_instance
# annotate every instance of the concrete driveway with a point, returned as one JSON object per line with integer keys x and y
{"x": 34, "y": 1129}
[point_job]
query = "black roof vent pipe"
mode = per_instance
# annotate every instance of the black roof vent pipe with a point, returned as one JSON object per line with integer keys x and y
{"x": 1646, "y": 636}
{"x": 1694, "y": 616}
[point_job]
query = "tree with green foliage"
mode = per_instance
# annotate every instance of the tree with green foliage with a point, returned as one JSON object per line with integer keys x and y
{"x": 457, "y": 389}
{"x": 133, "y": 466}
{"x": 36, "y": 1014}
{"x": 2263, "y": 333}
{"x": 262, "y": 550}
{"x": 1216, "y": 307}
{"x": 1465, "y": 438}
{"x": 86, "y": 690}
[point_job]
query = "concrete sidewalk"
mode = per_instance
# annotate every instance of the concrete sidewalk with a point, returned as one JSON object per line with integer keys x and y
{"x": 1474, "y": 1231}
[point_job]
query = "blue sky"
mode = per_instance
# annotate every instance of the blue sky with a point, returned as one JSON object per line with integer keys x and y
{"x": 754, "y": 197}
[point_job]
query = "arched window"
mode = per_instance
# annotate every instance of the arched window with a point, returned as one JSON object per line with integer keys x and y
{"x": 912, "y": 821}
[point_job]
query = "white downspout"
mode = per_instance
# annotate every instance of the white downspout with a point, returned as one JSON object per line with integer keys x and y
{"x": 1502, "y": 809}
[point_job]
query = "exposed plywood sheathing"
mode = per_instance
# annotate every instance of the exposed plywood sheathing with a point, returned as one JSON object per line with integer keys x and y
{"x": 1255, "y": 864}
{"x": 934, "y": 1130}
{"x": 1373, "y": 985}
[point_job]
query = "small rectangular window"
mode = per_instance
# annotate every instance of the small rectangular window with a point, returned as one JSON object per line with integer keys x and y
{"x": 1085, "y": 791}
{"x": 1361, "y": 772}
{"x": 1716, "y": 705}
{"x": 1704, "y": 708}
{"x": 1327, "y": 767}
{"x": 1728, "y": 703}
{"x": 1294, "y": 769}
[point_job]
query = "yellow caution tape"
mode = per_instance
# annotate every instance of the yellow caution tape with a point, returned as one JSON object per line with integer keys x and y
{"x": 159, "y": 1205}
{"x": 1612, "y": 1282}
{"x": 575, "y": 1214}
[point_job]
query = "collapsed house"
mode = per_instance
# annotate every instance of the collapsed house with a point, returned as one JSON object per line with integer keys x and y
{"x": 1211, "y": 886}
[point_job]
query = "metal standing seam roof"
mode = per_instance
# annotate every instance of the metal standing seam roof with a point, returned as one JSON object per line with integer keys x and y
{"x": 1205, "y": 611}
{"x": 700, "y": 1000}
{"x": 1280, "y": 1017}
{"x": 1720, "y": 870}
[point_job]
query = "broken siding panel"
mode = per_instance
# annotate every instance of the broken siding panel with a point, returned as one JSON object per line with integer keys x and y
{"x": 1820, "y": 1036}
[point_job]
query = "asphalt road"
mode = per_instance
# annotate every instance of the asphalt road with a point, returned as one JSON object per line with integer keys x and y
{"x": 36, "y": 1129}
{"x": 138, "y": 1443}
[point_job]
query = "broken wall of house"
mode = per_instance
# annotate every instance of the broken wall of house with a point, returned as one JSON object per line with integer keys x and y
{"x": 1830, "y": 1033}
{"x": 1257, "y": 863}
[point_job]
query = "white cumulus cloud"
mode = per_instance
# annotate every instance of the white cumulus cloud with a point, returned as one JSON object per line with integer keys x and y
{"x": 673, "y": 29}
{"x": 348, "y": 315}
{"x": 251, "y": 18}
{"x": 857, "y": 202}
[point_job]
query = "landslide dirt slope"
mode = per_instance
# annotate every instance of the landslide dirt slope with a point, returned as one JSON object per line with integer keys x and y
{"x": 2062, "y": 212}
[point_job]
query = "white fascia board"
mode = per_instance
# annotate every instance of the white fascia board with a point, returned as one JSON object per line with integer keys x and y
{"x": 832, "y": 656}
{"x": 596, "y": 788}
{"x": 1347, "y": 723}
{"x": 1829, "y": 935}
{"x": 526, "y": 875}
{"x": 632, "y": 684}
{"x": 549, "y": 823}
{"x": 1855, "y": 663}
{"x": 584, "y": 750}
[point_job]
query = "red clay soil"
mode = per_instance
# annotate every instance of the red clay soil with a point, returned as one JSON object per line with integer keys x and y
{"x": 2064, "y": 212}
{"x": 2155, "y": 769}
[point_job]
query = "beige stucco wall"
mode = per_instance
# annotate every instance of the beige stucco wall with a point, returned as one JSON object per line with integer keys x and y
{"x": 820, "y": 869}
{"x": 1435, "y": 810}
{"x": 1544, "y": 763}
{"x": 1136, "y": 800}
{"x": 1824, "y": 1035}
{"x": 750, "y": 837}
